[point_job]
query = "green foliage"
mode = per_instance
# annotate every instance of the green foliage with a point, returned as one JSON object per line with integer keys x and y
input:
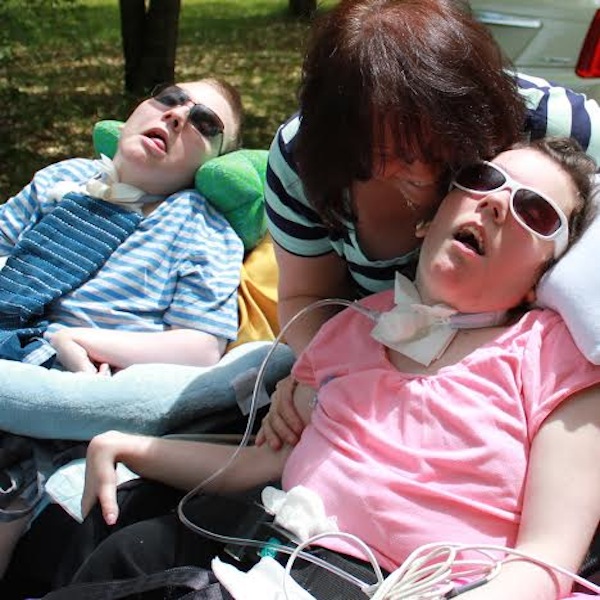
{"x": 24, "y": 21}
{"x": 66, "y": 71}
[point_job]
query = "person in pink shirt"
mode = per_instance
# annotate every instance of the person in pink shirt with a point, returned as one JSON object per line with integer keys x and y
{"x": 492, "y": 439}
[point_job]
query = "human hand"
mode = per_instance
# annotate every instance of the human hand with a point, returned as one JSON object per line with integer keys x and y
{"x": 101, "y": 476}
{"x": 72, "y": 356}
{"x": 283, "y": 423}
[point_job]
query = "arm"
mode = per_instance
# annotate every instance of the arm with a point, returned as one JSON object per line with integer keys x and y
{"x": 81, "y": 348}
{"x": 561, "y": 506}
{"x": 302, "y": 281}
{"x": 179, "y": 463}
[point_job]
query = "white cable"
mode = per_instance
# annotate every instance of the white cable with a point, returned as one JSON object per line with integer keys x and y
{"x": 340, "y": 534}
{"x": 420, "y": 577}
{"x": 244, "y": 442}
{"x": 258, "y": 383}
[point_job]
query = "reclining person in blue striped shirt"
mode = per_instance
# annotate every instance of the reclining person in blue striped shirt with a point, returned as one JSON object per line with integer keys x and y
{"x": 163, "y": 289}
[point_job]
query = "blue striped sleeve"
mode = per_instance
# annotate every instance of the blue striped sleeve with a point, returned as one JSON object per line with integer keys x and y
{"x": 23, "y": 210}
{"x": 205, "y": 296}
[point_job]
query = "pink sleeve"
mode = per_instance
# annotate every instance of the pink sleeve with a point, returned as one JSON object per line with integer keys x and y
{"x": 553, "y": 369}
{"x": 342, "y": 341}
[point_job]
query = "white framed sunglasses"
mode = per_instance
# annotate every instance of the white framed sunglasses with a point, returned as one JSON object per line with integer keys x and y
{"x": 532, "y": 209}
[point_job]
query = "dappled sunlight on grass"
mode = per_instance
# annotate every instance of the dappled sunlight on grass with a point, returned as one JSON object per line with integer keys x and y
{"x": 57, "y": 83}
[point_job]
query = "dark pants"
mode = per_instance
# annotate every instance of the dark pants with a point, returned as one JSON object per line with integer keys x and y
{"x": 160, "y": 541}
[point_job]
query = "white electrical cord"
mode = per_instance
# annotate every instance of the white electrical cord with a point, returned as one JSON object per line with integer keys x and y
{"x": 374, "y": 315}
{"x": 367, "y": 588}
{"x": 435, "y": 571}
{"x": 420, "y": 577}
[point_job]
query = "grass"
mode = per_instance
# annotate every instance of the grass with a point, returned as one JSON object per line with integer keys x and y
{"x": 61, "y": 70}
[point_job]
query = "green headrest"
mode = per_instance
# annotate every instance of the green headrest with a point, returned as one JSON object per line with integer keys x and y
{"x": 233, "y": 183}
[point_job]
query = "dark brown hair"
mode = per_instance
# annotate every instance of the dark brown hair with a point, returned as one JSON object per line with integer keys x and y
{"x": 231, "y": 94}
{"x": 425, "y": 68}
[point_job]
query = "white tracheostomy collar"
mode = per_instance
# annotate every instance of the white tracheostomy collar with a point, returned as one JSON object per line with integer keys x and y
{"x": 422, "y": 332}
{"x": 106, "y": 187}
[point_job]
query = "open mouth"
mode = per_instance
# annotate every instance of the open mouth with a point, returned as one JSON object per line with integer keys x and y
{"x": 158, "y": 137}
{"x": 471, "y": 237}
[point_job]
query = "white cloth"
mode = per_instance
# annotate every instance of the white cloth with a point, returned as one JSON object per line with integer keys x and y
{"x": 65, "y": 486}
{"x": 414, "y": 329}
{"x": 264, "y": 581}
{"x": 110, "y": 189}
{"x": 299, "y": 510}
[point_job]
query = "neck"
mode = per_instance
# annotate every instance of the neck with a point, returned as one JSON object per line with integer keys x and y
{"x": 467, "y": 320}
{"x": 124, "y": 175}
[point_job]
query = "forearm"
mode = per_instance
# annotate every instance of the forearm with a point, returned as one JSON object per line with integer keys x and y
{"x": 302, "y": 282}
{"x": 122, "y": 349}
{"x": 185, "y": 464}
{"x": 519, "y": 580}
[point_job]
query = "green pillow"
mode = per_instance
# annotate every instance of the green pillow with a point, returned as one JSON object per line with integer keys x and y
{"x": 233, "y": 183}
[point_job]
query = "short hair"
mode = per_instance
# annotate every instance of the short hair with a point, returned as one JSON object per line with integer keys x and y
{"x": 425, "y": 68}
{"x": 234, "y": 99}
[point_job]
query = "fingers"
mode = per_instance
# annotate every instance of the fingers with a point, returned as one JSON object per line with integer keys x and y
{"x": 286, "y": 409}
{"x": 268, "y": 435}
{"x": 104, "y": 370}
{"x": 283, "y": 423}
{"x": 106, "y": 494}
{"x": 101, "y": 479}
{"x": 108, "y": 502}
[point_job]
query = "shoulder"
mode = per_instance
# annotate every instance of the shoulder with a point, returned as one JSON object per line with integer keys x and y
{"x": 546, "y": 340}
{"x": 72, "y": 169}
{"x": 192, "y": 211}
{"x": 350, "y": 321}
{"x": 42, "y": 188}
{"x": 286, "y": 134}
{"x": 554, "y": 110}
{"x": 540, "y": 323}
{"x": 281, "y": 165}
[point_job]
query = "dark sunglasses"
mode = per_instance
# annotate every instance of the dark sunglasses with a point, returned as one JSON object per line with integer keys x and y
{"x": 201, "y": 117}
{"x": 532, "y": 209}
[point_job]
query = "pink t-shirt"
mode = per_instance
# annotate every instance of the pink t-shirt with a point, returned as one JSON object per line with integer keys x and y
{"x": 404, "y": 460}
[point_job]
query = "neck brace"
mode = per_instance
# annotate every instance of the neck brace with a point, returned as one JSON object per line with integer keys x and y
{"x": 422, "y": 332}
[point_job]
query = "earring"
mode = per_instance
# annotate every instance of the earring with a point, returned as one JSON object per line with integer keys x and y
{"x": 421, "y": 228}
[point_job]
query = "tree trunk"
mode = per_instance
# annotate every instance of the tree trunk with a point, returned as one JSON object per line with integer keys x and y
{"x": 149, "y": 43}
{"x": 303, "y": 8}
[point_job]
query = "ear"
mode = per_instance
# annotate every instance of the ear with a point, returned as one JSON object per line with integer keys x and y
{"x": 421, "y": 229}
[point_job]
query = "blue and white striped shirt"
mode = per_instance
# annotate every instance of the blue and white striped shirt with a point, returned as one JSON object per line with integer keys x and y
{"x": 180, "y": 268}
{"x": 298, "y": 229}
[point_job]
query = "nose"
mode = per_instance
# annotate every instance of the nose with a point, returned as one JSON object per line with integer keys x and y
{"x": 496, "y": 204}
{"x": 176, "y": 117}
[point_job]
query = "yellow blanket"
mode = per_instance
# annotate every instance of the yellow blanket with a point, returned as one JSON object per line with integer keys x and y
{"x": 257, "y": 295}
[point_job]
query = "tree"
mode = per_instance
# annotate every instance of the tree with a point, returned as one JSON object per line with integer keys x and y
{"x": 303, "y": 8}
{"x": 149, "y": 32}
